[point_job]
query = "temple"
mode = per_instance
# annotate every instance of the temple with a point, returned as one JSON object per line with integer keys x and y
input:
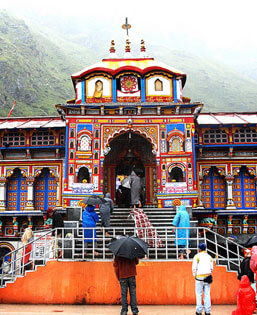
{"x": 129, "y": 112}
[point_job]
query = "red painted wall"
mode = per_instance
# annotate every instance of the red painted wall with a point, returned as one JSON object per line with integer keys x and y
{"x": 95, "y": 283}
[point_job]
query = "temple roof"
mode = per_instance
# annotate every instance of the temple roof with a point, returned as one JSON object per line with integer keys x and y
{"x": 31, "y": 122}
{"x": 141, "y": 65}
{"x": 219, "y": 119}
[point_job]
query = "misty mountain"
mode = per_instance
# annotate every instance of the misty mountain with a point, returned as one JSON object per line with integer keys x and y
{"x": 38, "y": 56}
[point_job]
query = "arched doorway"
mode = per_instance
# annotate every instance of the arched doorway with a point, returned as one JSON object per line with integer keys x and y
{"x": 16, "y": 191}
{"x": 129, "y": 151}
{"x": 214, "y": 190}
{"x": 45, "y": 192}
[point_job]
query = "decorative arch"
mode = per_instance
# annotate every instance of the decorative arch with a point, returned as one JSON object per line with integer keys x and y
{"x": 83, "y": 173}
{"x": 149, "y": 133}
{"x": 84, "y": 140}
{"x": 175, "y": 141}
{"x": 53, "y": 171}
{"x": 177, "y": 172}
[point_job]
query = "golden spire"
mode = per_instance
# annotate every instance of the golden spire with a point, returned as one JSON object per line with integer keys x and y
{"x": 126, "y": 26}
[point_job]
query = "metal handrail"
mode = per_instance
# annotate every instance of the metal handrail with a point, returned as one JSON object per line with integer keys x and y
{"x": 71, "y": 244}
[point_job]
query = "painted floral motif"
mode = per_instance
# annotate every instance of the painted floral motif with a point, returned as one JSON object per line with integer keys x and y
{"x": 129, "y": 83}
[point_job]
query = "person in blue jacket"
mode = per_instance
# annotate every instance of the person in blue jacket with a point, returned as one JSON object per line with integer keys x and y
{"x": 89, "y": 220}
{"x": 181, "y": 220}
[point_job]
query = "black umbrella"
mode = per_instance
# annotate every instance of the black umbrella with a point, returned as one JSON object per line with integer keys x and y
{"x": 94, "y": 200}
{"x": 251, "y": 242}
{"x": 128, "y": 247}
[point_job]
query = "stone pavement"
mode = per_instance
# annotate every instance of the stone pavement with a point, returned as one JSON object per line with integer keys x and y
{"x": 19, "y": 309}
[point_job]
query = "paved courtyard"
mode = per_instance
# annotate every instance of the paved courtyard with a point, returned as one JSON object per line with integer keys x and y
{"x": 107, "y": 309}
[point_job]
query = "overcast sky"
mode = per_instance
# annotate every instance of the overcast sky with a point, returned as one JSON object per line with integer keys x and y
{"x": 219, "y": 23}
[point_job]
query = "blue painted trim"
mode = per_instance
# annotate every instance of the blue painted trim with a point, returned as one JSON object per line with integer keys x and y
{"x": 114, "y": 91}
{"x": 194, "y": 157}
{"x": 41, "y": 147}
{"x": 83, "y": 100}
{"x": 175, "y": 90}
{"x": 142, "y": 89}
{"x": 66, "y": 151}
{"x": 226, "y": 145}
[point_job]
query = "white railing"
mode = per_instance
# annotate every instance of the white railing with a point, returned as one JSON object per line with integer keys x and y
{"x": 71, "y": 244}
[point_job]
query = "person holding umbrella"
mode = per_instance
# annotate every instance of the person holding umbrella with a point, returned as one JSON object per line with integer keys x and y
{"x": 127, "y": 251}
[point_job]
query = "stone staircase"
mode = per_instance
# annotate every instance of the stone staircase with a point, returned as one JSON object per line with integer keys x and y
{"x": 120, "y": 220}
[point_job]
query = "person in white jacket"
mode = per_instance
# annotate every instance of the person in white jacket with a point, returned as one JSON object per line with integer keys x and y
{"x": 202, "y": 268}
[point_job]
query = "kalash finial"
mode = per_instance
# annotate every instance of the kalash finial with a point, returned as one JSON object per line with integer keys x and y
{"x": 143, "y": 50}
{"x": 142, "y": 46}
{"x": 112, "y": 48}
{"x": 127, "y": 47}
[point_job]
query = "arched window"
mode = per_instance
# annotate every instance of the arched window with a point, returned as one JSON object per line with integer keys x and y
{"x": 96, "y": 133}
{"x": 83, "y": 175}
{"x": 158, "y": 85}
{"x": 215, "y": 136}
{"x": 13, "y": 139}
{"x": 96, "y": 145}
{"x": 42, "y": 138}
{"x": 71, "y": 155}
{"x": 176, "y": 175}
{"x": 96, "y": 156}
{"x": 244, "y": 135}
{"x": 176, "y": 144}
{"x": 71, "y": 170}
{"x": 95, "y": 170}
{"x": 72, "y": 145}
{"x": 85, "y": 143}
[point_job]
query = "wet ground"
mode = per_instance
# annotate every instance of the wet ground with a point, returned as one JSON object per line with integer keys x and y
{"x": 108, "y": 309}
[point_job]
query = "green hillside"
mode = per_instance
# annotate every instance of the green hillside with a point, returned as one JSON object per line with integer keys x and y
{"x": 36, "y": 63}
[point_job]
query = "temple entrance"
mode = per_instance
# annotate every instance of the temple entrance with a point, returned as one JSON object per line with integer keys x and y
{"x": 130, "y": 151}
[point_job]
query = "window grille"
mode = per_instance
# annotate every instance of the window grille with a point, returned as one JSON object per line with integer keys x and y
{"x": 245, "y": 135}
{"x": 62, "y": 139}
{"x": 42, "y": 138}
{"x": 13, "y": 139}
{"x": 85, "y": 143}
{"x": 215, "y": 136}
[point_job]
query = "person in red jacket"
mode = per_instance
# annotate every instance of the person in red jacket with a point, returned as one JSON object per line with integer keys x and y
{"x": 245, "y": 298}
{"x": 125, "y": 270}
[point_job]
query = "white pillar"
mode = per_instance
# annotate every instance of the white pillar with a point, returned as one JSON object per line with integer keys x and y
{"x": 30, "y": 194}
{"x": 229, "y": 185}
{"x": 3, "y": 181}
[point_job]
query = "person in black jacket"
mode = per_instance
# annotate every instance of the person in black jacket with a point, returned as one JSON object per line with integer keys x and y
{"x": 57, "y": 222}
{"x": 245, "y": 267}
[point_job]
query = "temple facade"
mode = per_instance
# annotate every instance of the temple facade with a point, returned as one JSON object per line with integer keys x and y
{"x": 130, "y": 113}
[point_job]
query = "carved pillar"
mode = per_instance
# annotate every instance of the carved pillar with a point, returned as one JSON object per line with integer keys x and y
{"x": 200, "y": 204}
{"x": 229, "y": 185}
{"x": 245, "y": 224}
{"x": 30, "y": 194}
{"x": 3, "y": 181}
{"x": 230, "y": 225}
